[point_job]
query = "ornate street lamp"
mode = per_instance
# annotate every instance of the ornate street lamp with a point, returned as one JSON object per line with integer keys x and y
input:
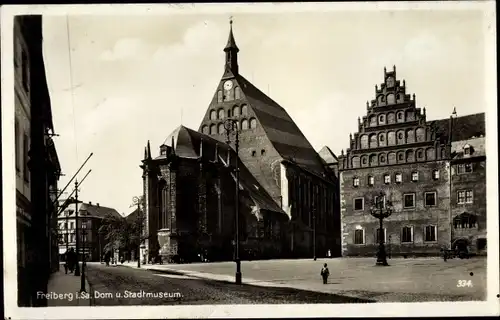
{"x": 381, "y": 209}
{"x": 231, "y": 126}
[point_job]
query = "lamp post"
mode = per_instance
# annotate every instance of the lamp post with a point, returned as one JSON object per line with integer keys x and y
{"x": 137, "y": 202}
{"x": 231, "y": 126}
{"x": 82, "y": 279}
{"x": 381, "y": 209}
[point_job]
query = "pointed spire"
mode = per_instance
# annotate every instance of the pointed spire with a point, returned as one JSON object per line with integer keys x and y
{"x": 404, "y": 83}
{"x": 148, "y": 151}
{"x": 145, "y": 153}
{"x": 231, "y": 43}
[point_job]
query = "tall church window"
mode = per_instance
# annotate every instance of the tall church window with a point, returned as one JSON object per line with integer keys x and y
{"x": 221, "y": 114}
{"x": 244, "y": 124}
{"x": 219, "y": 96}
{"x": 213, "y": 129}
{"x": 213, "y": 115}
{"x": 221, "y": 128}
{"x": 253, "y": 123}
{"x": 244, "y": 110}
{"x": 236, "y": 111}
{"x": 237, "y": 93}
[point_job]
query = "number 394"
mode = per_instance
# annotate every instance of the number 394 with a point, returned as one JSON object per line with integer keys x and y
{"x": 464, "y": 283}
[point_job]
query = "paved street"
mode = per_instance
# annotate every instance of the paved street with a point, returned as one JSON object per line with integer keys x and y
{"x": 405, "y": 280}
{"x": 109, "y": 282}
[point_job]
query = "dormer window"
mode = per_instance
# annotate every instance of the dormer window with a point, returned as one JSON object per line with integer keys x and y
{"x": 467, "y": 150}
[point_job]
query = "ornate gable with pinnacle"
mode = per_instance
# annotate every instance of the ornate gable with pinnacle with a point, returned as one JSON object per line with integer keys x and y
{"x": 393, "y": 131}
{"x": 267, "y": 134}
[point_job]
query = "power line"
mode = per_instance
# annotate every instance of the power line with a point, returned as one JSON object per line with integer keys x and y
{"x": 72, "y": 87}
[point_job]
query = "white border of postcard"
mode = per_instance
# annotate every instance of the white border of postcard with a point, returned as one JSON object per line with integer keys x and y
{"x": 489, "y": 307}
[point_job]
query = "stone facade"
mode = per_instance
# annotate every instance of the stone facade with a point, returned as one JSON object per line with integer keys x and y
{"x": 411, "y": 161}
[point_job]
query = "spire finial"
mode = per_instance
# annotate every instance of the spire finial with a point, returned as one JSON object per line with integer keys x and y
{"x": 148, "y": 151}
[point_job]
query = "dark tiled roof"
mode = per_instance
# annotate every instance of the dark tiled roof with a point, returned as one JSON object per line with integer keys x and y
{"x": 464, "y": 127}
{"x": 98, "y": 211}
{"x": 187, "y": 145}
{"x": 281, "y": 130}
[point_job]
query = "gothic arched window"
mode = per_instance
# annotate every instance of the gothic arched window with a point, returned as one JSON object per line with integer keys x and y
{"x": 253, "y": 123}
{"x": 244, "y": 110}
{"x": 244, "y": 124}
{"x": 221, "y": 114}
{"x": 236, "y": 111}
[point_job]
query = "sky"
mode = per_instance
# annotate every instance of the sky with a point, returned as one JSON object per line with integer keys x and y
{"x": 138, "y": 77}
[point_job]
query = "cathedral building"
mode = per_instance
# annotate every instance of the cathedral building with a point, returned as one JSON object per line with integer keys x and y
{"x": 289, "y": 200}
{"x": 433, "y": 172}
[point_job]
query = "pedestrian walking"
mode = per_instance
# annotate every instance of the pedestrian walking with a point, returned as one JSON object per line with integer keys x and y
{"x": 325, "y": 273}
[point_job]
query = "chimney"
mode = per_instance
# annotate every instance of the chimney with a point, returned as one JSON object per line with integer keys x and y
{"x": 98, "y": 204}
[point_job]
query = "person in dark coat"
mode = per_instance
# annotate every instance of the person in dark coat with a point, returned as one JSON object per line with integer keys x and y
{"x": 325, "y": 273}
{"x": 71, "y": 260}
{"x": 107, "y": 258}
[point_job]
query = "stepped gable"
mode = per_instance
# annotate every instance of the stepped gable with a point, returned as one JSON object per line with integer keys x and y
{"x": 188, "y": 143}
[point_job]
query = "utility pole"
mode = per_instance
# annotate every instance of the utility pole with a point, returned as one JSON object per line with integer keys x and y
{"x": 77, "y": 267}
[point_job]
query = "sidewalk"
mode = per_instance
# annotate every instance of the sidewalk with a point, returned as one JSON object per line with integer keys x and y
{"x": 403, "y": 280}
{"x": 64, "y": 290}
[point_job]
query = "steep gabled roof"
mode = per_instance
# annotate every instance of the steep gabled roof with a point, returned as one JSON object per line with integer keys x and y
{"x": 98, "y": 211}
{"x": 464, "y": 127}
{"x": 281, "y": 130}
{"x": 187, "y": 144}
{"x": 328, "y": 156}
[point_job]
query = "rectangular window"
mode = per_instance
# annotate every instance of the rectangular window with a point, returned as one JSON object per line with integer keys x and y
{"x": 359, "y": 204}
{"x": 435, "y": 174}
{"x": 26, "y": 157}
{"x": 465, "y": 196}
{"x": 376, "y": 201}
{"x": 355, "y": 182}
{"x": 409, "y": 200}
{"x": 377, "y": 235}
{"x": 72, "y": 225}
{"x": 464, "y": 168}
{"x": 414, "y": 176}
{"x": 387, "y": 179}
{"x": 430, "y": 198}
{"x": 407, "y": 234}
{"x": 399, "y": 178}
{"x": 371, "y": 180}
{"x": 430, "y": 233}
{"x": 359, "y": 236}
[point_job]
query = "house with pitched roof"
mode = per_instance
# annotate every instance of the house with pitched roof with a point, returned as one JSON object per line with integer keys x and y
{"x": 90, "y": 218}
{"x": 288, "y": 193}
{"x": 433, "y": 172}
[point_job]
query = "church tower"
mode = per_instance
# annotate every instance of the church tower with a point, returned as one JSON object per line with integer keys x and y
{"x": 231, "y": 50}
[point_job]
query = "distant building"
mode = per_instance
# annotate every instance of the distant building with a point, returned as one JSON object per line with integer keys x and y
{"x": 289, "y": 193}
{"x": 434, "y": 172}
{"x": 37, "y": 165}
{"x": 90, "y": 218}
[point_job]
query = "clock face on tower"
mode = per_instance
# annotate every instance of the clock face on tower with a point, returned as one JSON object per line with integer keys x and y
{"x": 228, "y": 85}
